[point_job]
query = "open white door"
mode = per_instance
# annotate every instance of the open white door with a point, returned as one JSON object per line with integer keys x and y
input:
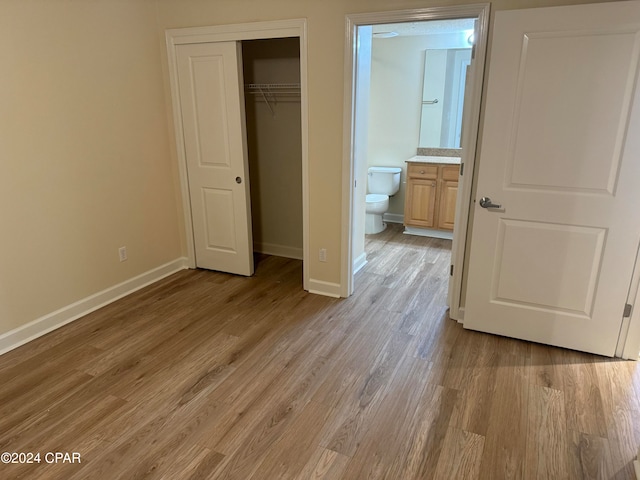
{"x": 212, "y": 103}
{"x": 561, "y": 154}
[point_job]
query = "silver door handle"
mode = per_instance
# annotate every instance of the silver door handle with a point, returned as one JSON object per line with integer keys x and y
{"x": 485, "y": 202}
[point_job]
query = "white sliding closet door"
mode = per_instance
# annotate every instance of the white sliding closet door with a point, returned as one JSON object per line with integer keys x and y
{"x": 213, "y": 117}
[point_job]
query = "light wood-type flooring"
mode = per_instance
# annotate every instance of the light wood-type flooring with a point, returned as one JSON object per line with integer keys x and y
{"x": 211, "y": 376}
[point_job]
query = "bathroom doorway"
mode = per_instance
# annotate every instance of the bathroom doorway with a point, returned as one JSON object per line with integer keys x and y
{"x": 393, "y": 60}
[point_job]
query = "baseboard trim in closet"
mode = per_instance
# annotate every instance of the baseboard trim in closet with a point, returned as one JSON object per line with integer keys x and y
{"x": 278, "y": 250}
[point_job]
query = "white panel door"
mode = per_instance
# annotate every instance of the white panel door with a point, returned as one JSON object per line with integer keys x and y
{"x": 212, "y": 103}
{"x": 561, "y": 154}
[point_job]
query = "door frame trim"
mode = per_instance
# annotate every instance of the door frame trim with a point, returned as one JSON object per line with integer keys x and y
{"x": 629, "y": 341}
{"x": 480, "y": 11}
{"x": 235, "y": 33}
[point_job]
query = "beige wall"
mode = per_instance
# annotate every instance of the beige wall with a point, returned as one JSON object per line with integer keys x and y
{"x": 326, "y": 34}
{"x": 84, "y": 158}
{"x": 86, "y": 162}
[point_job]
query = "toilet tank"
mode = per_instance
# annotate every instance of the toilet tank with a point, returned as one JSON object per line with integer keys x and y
{"x": 384, "y": 180}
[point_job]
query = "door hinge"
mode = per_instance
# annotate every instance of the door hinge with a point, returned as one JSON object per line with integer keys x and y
{"x": 473, "y": 51}
{"x": 627, "y": 311}
{"x": 451, "y": 271}
{"x": 461, "y": 168}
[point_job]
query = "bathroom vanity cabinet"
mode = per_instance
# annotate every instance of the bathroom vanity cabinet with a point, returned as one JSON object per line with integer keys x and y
{"x": 432, "y": 186}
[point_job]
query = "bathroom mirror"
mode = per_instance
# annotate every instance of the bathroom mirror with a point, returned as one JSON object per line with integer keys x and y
{"x": 445, "y": 72}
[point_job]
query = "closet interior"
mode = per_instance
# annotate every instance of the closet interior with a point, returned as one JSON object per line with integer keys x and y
{"x": 271, "y": 71}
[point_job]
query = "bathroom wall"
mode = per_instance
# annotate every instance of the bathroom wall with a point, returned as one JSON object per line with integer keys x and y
{"x": 396, "y": 93}
{"x": 274, "y": 147}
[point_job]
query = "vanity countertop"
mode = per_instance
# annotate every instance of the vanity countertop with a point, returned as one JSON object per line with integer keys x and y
{"x": 430, "y": 159}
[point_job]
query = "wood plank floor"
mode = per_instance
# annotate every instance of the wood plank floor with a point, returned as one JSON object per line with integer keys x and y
{"x": 212, "y": 376}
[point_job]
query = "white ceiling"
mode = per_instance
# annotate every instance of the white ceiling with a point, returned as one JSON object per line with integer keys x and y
{"x": 428, "y": 27}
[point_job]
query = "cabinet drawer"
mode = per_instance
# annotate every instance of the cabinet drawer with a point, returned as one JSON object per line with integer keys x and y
{"x": 451, "y": 172}
{"x": 421, "y": 170}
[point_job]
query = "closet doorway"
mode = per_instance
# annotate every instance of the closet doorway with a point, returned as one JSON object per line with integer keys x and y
{"x": 274, "y": 143}
{"x": 260, "y": 155}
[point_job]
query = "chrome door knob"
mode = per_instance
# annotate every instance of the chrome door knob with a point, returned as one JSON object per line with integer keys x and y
{"x": 485, "y": 202}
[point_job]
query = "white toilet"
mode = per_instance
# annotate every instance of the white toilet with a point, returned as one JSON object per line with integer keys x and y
{"x": 382, "y": 182}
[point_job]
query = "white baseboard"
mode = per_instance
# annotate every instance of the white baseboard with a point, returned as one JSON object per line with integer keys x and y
{"x": 460, "y": 316}
{"x": 278, "y": 250}
{"x": 428, "y": 232}
{"x": 359, "y": 262}
{"x": 393, "y": 217}
{"x": 43, "y": 325}
{"x": 327, "y": 289}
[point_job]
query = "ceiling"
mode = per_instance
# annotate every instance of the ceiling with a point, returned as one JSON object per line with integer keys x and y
{"x": 428, "y": 27}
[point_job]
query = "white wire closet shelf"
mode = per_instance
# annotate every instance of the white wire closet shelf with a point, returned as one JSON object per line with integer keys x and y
{"x": 280, "y": 89}
{"x": 272, "y": 93}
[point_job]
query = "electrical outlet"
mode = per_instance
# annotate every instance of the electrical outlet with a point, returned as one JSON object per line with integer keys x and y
{"x": 122, "y": 253}
{"x": 322, "y": 255}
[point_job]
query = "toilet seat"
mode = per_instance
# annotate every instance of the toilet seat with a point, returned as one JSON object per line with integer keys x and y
{"x": 376, "y": 197}
{"x": 376, "y": 203}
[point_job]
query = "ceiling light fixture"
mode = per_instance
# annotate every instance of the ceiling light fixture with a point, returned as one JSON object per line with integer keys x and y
{"x": 385, "y": 34}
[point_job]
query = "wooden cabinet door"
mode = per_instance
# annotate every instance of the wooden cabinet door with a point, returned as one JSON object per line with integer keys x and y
{"x": 447, "y": 209}
{"x": 421, "y": 202}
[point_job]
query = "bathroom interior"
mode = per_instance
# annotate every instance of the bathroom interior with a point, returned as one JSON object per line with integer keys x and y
{"x": 412, "y": 122}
